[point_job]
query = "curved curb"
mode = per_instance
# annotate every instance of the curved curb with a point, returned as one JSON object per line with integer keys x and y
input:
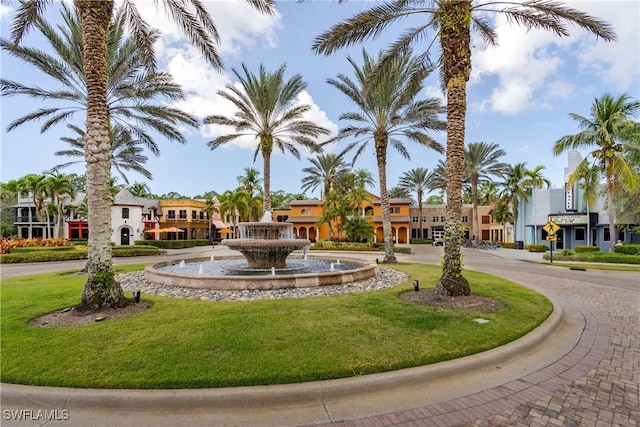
{"x": 312, "y": 402}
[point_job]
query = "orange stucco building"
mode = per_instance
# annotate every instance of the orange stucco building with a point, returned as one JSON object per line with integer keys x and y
{"x": 304, "y": 214}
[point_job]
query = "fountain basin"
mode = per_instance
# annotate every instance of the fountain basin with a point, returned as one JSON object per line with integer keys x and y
{"x": 266, "y": 253}
{"x": 154, "y": 274}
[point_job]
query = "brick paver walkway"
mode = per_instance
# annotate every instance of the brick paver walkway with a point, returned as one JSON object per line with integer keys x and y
{"x": 596, "y": 384}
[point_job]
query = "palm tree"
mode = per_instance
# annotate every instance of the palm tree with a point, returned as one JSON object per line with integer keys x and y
{"x": 519, "y": 184}
{"x": 399, "y": 192}
{"x": 451, "y": 22}
{"x": 267, "y": 110}
{"x": 133, "y": 87}
{"x": 325, "y": 171}
{"x": 33, "y": 184}
{"x": 502, "y": 214}
{"x": 608, "y": 129}
{"x": 57, "y": 187}
{"x": 125, "y": 152}
{"x": 589, "y": 178}
{"x": 140, "y": 189}
{"x": 234, "y": 205}
{"x": 481, "y": 163}
{"x": 388, "y": 110}
{"x": 418, "y": 180}
{"x": 250, "y": 181}
{"x": 101, "y": 289}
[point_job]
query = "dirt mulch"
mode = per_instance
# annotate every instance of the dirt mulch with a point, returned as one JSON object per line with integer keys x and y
{"x": 71, "y": 317}
{"x": 429, "y": 298}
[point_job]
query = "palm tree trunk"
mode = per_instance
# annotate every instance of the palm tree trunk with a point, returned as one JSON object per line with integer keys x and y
{"x": 266, "y": 156}
{"x": 420, "y": 214}
{"x": 474, "y": 201}
{"x": 455, "y": 38}
{"x": 611, "y": 211}
{"x": 101, "y": 289}
{"x": 381, "y": 156}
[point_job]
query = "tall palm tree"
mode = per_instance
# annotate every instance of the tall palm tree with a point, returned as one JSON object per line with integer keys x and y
{"x": 134, "y": 87}
{"x": 588, "y": 176}
{"x": 417, "y": 180}
{"x": 482, "y": 162}
{"x": 519, "y": 184}
{"x": 126, "y": 153}
{"x": 58, "y": 186}
{"x": 324, "y": 171}
{"x": 502, "y": 213}
{"x": 267, "y": 110}
{"x": 101, "y": 289}
{"x": 250, "y": 181}
{"x": 388, "y": 109}
{"x": 451, "y": 22}
{"x": 438, "y": 181}
{"x": 608, "y": 129}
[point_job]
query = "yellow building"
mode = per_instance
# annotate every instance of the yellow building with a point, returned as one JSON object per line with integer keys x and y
{"x": 185, "y": 217}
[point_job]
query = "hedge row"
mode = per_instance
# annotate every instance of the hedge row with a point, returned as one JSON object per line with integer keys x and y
{"x": 581, "y": 249}
{"x": 508, "y": 245}
{"x": 607, "y": 257}
{"x": 173, "y": 244}
{"x": 629, "y": 249}
{"x": 54, "y": 254}
{"x": 28, "y": 249}
{"x": 421, "y": 241}
{"x": 537, "y": 248}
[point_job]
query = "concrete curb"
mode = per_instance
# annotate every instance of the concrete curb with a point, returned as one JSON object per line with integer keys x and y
{"x": 312, "y": 402}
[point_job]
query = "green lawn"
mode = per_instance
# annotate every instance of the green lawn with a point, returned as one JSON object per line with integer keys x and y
{"x": 181, "y": 343}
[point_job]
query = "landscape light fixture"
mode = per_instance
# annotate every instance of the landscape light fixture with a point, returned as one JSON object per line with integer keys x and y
{"x": 416, "y": 285}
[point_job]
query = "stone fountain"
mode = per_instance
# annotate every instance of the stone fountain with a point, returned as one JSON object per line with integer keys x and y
{"x": 266, "y": 244}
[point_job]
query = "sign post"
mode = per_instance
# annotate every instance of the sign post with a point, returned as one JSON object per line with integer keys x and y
{"x": 551, "y": 228}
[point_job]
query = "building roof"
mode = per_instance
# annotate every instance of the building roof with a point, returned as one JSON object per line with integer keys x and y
{"x": 124, "y": 197}
{"x": 305, "y": 202}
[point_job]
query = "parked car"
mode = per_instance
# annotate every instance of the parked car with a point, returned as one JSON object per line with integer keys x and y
{"x": 438, "y": 242}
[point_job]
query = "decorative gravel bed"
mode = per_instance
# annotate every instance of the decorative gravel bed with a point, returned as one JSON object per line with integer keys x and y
{"x": 385, "y": 278}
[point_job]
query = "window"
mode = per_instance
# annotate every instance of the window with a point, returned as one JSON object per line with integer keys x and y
{"x": 607, "y": 234}
{"x": 465, "y": 218}
{"x": 183, "y": 214}
{"x": 486, "y": 219}
{"x": 194, "y": 215}
{"x": 201, "y": 215}
{"x": 394, "y": 210}
{"x": 435, "y": 219}
{"x": 171, "y": 214}
{"x": 303, "y": 211}
{"x": 414, "y": 219}
{"x": 424, "y": 219}
{"x": 125, "y": 213}
{"x": 443, "y": 219}
{"x": 579, "y": 233}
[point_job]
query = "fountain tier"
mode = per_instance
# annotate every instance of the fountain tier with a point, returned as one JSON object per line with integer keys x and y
{"x": 266, "y": 244}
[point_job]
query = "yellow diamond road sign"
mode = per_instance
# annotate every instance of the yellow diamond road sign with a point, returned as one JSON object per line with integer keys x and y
{"x": 551, "y": 227}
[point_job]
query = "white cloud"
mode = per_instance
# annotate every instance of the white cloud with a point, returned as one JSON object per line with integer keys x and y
{"x": 617, "y": 62}
{"x": 5, "y": 11}
{"x": 526, "y": 64}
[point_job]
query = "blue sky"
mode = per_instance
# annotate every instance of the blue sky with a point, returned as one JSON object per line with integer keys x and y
{"x": 520, "y": 94}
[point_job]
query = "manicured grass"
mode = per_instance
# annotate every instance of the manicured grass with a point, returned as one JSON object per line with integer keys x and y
{"x": 595, "y": 266}
{"x": 180, "y": 343}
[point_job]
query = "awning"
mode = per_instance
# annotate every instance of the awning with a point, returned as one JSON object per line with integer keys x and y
{"x": 219, "y": 224}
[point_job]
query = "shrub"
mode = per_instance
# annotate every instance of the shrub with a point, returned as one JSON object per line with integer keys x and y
{"x": 537, "y": 248}
{"x": 135, "y": 250}
{"x": 582, "y": 249}
{"x": 566, "y": 252}
{"x": 169, "y": 244}
{"x": 629, "y": 249}
{"x": 421, "y": 241}
{"x": 7, "y": 245}
{"x": 508, "y": 245}
{"x": 26, "y": 249}
{"x": 42, "y": 256}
